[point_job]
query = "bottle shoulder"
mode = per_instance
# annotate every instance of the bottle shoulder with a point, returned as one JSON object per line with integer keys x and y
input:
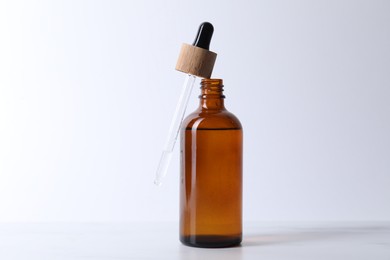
{"x": 221, "y": 119}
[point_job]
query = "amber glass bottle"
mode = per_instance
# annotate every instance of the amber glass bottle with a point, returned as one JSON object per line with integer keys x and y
{"x": 211, "y": 173}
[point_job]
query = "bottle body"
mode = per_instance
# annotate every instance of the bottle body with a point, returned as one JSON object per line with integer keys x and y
{"x": 211, "y": 173}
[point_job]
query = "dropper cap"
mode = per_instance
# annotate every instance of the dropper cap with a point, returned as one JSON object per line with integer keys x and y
{"x": 196, "y": 59}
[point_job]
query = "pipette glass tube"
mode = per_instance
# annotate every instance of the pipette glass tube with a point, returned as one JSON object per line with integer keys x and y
{"x": 196, "y": 61}
{"x": 174, "y": 129}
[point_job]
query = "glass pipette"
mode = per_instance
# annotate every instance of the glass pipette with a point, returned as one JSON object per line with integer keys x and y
{"x": 196, "y": 61}
{"x": 174, "y": 129}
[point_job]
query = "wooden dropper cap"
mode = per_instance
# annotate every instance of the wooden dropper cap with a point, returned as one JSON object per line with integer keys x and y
{"x": 196, "y": 59}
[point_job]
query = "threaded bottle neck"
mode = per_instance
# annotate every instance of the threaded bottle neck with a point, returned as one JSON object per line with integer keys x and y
{"x": 212, "y": 97}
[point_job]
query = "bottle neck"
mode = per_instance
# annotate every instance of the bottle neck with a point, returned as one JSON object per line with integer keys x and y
{"x": 211, "y": 97}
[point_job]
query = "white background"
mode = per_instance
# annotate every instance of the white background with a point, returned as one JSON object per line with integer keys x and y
{"x": 87, "y": 90}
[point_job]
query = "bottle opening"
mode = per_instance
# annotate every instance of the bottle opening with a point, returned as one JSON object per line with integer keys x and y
{"x": 213, "y": 82}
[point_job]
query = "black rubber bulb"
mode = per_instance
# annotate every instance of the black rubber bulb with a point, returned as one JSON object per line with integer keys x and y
{"x": 203, "y": 38}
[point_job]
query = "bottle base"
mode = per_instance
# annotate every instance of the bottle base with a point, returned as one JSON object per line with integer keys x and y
{"x": 211, "y": 241}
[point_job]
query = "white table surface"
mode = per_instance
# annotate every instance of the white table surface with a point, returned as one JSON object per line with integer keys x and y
{"x": 30, "y": 241}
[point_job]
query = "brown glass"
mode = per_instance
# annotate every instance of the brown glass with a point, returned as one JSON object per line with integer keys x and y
{"x": 211, "y": 173}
